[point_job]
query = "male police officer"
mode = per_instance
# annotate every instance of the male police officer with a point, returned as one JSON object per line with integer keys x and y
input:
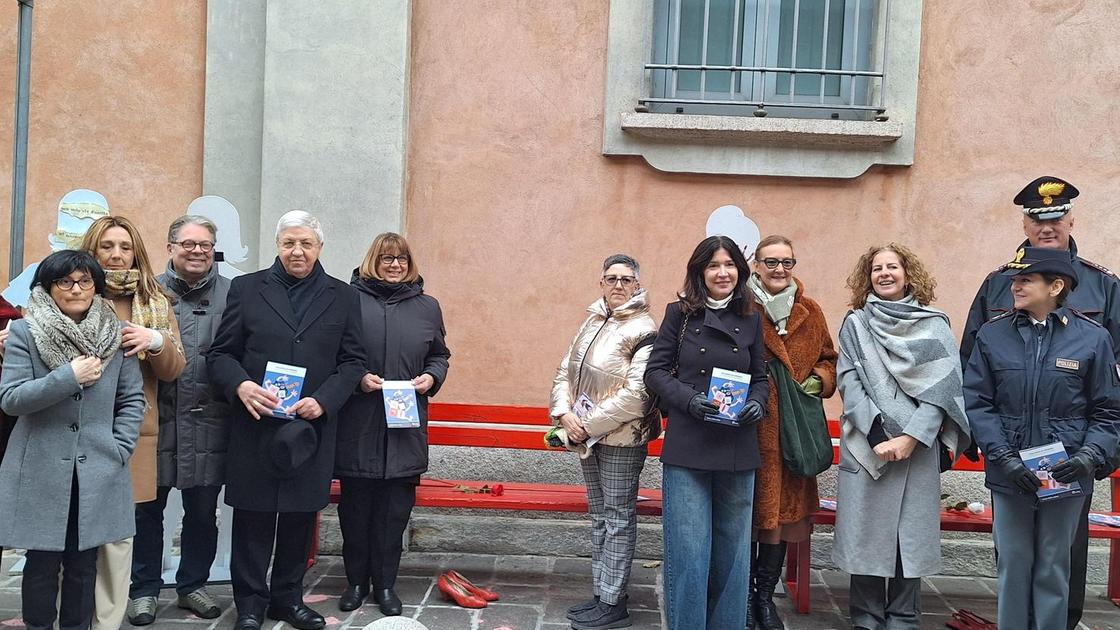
{"x": 1047, "y": 222}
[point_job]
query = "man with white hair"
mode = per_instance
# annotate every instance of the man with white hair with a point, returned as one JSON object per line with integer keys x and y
{"x": 294, "y": 314}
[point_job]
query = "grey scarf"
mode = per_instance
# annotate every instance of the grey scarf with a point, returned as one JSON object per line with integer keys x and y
{"x": 777, "y": 307}
{"x": 60, "y": 339}
{"x": 904, "y": 347}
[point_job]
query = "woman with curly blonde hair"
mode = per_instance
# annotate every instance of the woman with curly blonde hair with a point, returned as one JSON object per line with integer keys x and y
{"x": 900, "y": 378}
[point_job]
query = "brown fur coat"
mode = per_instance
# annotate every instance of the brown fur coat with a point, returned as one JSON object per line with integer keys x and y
{"x": 782, "y": 498}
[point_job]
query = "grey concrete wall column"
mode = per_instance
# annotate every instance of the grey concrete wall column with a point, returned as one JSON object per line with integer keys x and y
{"x": 231, "y": 164}
{"x": 307, "y": 107}
{"x": 335, "y": 121}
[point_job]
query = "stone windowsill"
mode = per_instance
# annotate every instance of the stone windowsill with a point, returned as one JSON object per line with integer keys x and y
{"x": 751, "y": 130}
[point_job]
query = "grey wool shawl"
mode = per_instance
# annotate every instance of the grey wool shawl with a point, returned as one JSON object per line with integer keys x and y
{"x": 903, "y": 347}
{"x": 60, "y": 339}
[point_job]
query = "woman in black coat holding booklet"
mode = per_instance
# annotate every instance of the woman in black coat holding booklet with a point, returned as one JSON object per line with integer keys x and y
{"x": 279, "y": 473}
{"x": 709, "y": 461}
{"x": 1040, "y": 377}
{"x": 379, "y": 464}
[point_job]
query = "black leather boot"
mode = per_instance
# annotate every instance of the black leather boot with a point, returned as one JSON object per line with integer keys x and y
{"x": 752, "y": 592}
{"x": 769, "y": 563}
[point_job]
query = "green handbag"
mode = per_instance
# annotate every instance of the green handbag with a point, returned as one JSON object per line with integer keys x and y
{"x": 806, "y": 446}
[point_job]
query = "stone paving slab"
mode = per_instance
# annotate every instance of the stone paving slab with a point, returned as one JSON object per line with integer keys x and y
{"x": 536, "y": 592}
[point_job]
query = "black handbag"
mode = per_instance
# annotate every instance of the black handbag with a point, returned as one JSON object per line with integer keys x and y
{"x": 655, "y": 400}
{"x": 806, "y": 445}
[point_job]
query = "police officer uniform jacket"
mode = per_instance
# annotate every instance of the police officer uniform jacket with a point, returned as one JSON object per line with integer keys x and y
{"x": 1097, "y": 296}
{"x": 1024, "y": 388}
{"x": 711, "y": 338}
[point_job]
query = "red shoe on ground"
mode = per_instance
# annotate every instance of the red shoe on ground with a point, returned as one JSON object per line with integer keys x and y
{"x": 459, "y": 594}
{"x": 478, "y": 591}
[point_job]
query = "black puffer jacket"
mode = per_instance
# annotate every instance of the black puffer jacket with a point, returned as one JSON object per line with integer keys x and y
{"x": 403, "y": 335}
{"x": 193, "y": 423}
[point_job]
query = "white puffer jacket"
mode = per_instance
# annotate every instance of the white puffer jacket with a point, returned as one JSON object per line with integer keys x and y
{"x": 607, "y": 361}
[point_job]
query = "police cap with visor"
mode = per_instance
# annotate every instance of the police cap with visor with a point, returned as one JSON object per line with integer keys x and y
{"x": 1042, "y": 260}
{"x": 1046, "y": 198}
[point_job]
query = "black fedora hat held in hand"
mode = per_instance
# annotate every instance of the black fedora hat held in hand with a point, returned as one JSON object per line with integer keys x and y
{"x": 290, "y": 446}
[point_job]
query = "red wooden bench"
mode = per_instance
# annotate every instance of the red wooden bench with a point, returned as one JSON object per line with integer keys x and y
{"x": 797, "y": 559}
{"x": 499, "y": 426}
{"x": 502, "y": 426}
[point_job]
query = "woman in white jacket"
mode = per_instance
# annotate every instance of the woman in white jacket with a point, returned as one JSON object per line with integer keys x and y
{"x": 600, "y": 402}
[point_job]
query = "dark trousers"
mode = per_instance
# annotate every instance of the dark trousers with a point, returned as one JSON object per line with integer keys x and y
{"x": 373, "y": 514}
{"x": 40, "y": 580}
{"x": 1078, "y": 566}
{"x": 254, "y": 535}
{"x": 892, "y": 603}
{"x": 198, "y": 542}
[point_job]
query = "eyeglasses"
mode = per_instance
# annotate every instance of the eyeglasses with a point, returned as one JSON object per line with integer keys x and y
{"x": 204, "y": 246}
{"x": 786, "y": 263}
{"x": 627, "y": 281}
{"x": 66, "y": 284}
{"x": 388, "y": 259}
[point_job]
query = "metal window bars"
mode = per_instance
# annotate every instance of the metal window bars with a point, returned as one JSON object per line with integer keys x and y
{"x": 755, "y": 85}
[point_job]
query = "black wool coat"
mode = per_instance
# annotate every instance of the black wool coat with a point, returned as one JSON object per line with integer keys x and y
{"x": 259, "y": 326}
{"x": 712, "y": 338}
{"x": 403, "y": 337}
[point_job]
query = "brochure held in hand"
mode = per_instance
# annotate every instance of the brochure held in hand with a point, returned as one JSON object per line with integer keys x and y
{"x": 400, "y": 404}
{"x": 286, "y": 383}
{"x": 581, "y": 409}
{"x": 1041, "y": 459}
{"x": 728, "y": 389}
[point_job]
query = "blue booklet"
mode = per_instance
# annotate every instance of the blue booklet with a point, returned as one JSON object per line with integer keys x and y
{"x": 728, "y": 389}
{"x": 284, "y": 382}
{"x": 1041, "y": 459}
{"x": 400, "y": 405}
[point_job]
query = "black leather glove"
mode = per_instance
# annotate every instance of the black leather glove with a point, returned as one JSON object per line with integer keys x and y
{"x": 1107, "y": 469}
{"x": 700, "y": 406}
{"x": 750, "y": 414}
{"x": 1018, "y": 474}
{"x": 1080, "y": 466}
{"x": 971, "y": 452}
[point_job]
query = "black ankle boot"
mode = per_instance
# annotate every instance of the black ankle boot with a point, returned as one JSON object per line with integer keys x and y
{"x": 752, "y": 588}
{"x": 769, "y": 563}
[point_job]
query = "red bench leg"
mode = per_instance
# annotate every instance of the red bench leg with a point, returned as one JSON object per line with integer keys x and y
{"x": 797, "y": 575}
{"x": 1114, "y": 572}
{"x": 313, "y": 553}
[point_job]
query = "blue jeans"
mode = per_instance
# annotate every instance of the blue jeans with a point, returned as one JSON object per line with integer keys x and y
{"x": 707, "y": 522}
{"x": 198, "y": 542}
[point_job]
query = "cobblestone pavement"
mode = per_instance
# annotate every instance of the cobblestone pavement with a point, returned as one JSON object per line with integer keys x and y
{"x": 536, "y": 591}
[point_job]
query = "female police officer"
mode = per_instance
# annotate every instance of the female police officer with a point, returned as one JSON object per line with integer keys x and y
{"x": 1040, "y": 374}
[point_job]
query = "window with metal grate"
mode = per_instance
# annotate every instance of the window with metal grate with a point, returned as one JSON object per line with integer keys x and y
{"x": 789, "y": 58}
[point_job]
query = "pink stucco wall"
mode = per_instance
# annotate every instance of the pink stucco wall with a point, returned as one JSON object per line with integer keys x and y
{"x": 511, "y": 206}
{"x": 116, "y": 106}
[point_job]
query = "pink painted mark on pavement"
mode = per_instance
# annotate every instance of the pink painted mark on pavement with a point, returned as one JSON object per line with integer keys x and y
{"x": 332, "y": 621}
{"x": 12, "y": 623}
{"x": 315, "y": 599}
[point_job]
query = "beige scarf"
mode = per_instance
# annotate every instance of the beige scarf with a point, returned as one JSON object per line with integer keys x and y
{"x": 154, "y": 314}
{"x": 60, "y": 339}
